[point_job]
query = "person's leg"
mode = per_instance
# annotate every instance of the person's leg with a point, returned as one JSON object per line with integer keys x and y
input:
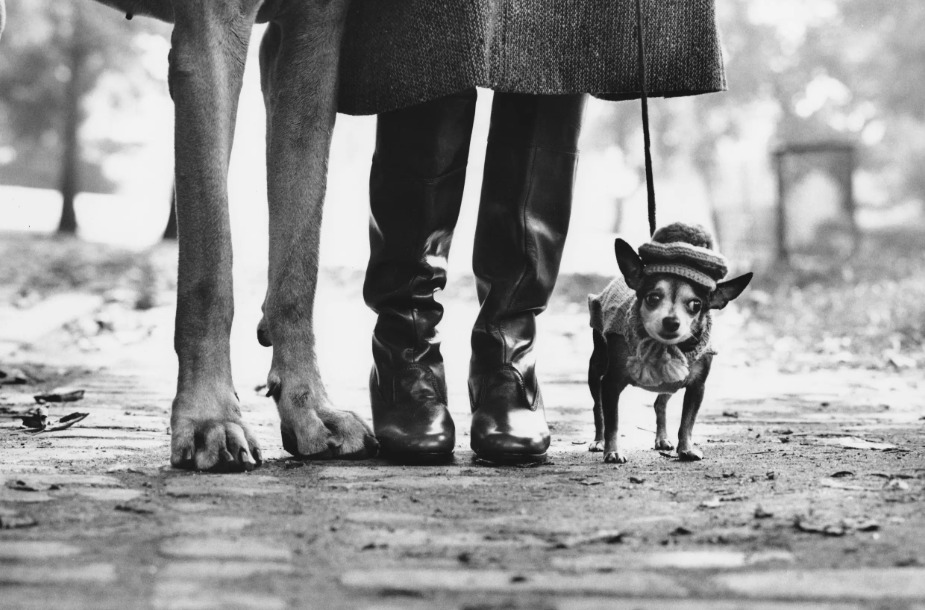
{"x": 416, "y": 188}
{"x": 523, "y": 219}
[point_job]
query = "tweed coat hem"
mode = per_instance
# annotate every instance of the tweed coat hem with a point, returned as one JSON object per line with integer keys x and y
{"x": 398, "y": 53}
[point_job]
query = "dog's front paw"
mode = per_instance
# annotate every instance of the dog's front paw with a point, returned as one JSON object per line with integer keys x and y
{"x": 211, "y": 437}
{"x": 614, "y": 457}
{"x": 596, "y": 446}
{"x": 663, "y": 444}
{"x": 319, "y": 432}
{"x": 691, "y": 454}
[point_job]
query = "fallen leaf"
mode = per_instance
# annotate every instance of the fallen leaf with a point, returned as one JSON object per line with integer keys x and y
{"x": 371, "y": 546}
{"x": 36, "y": 419}
{"x": 54, "y": 425}
{"x": 815, "y": 527}
{"x": 602, "y": 537}
{"x": 12, "y": 377}
{"x": 835, "y": 484}
{"x": 60, "y": 395}
{"x": 26, "y": 485}
{"x": 853, "y": 442}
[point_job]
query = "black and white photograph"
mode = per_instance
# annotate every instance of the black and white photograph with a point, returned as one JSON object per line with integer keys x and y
{"x": 462, "y": 304}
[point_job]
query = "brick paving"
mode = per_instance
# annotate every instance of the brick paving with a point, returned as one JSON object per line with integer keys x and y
{"x": 93, "y": 517}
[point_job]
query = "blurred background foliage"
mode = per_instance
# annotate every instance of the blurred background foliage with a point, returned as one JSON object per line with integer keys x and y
{"x": 84, "y": 111}
{"x": 74, "y": 73}
{"x": 60, "y": 61}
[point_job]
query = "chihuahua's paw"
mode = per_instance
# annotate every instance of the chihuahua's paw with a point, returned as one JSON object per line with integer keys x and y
{"x": 663, "y": 444}
{"x": 596, "y": 446}
{"x": 693, "y": 454}
{"x": 614, "y": 457}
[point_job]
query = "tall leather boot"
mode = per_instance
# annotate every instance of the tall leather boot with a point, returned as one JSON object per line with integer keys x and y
{"x": 530, "y": 168}
{"x": 416, "y": 188}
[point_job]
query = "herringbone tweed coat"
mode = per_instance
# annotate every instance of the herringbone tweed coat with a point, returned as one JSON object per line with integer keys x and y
{"x": 402, "y": 52}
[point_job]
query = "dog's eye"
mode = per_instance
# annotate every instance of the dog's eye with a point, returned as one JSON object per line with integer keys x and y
{"x": 653, "y": 299}
{"x": 695, "y": 306}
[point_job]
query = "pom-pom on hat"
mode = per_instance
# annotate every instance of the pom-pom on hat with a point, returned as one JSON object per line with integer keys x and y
{"x": 686, "y": 251}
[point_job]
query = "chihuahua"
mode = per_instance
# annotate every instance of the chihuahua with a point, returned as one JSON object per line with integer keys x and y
{"x": 651, "y": 329}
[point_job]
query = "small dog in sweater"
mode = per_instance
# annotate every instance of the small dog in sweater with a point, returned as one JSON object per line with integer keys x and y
{"x": 652, "y": 330}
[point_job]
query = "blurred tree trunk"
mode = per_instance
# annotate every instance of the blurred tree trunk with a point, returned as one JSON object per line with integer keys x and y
{"x": 70, "y": 164}
{"x": 171, "y": 231}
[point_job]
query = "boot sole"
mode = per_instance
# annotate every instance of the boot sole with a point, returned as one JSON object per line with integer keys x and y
{"x": 417, "y": 459}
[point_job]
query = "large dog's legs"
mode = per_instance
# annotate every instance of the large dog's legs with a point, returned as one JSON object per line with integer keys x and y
{"x": 299, "y": 62}
{"x": 209, "y": 46}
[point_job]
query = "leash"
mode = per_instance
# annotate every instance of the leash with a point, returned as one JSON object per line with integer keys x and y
{"x": 644, "y": 97}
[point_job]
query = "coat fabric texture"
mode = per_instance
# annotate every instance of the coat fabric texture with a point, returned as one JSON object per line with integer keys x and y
{"x": 398, "y": 53}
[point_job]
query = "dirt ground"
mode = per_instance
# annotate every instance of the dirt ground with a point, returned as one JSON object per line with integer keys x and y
{"x": 810, "y": 493}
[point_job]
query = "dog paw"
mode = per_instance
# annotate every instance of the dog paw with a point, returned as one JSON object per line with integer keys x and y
{"x": 319, "y": 433}
{"x": 692, "y": 454}
{"x": 211, "y": 439}
{"x": 596, "y": 446}
{"x": 614, "y": 457}
{"x": 663, "y": 444}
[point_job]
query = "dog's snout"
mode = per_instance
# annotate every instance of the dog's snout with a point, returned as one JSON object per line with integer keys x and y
{"x": 671, "y": 324}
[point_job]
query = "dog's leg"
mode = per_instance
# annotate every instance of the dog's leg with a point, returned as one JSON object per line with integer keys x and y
{"x": 612, "y": 385}
{"x": 299, "y": 63}
{"x": 596, "y": 369}
{"x": 208, "y": 49}
{"x": 693, "y": 397}
{"x": 661, "y": 432}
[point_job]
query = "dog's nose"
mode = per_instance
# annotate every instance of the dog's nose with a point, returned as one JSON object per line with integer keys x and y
{"x": 671, "y": 324}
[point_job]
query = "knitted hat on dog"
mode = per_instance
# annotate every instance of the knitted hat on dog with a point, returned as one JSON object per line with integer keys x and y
{"x": 686, "y": 251}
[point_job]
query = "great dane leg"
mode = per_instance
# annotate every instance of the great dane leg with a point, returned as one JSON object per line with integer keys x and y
{"x": 208, "y": 49}
{"x": 299, "y": 62}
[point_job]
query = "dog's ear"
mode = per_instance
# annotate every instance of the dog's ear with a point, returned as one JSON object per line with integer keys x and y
{"x": 629, "y": 262}
{"x": 727, "y": 291}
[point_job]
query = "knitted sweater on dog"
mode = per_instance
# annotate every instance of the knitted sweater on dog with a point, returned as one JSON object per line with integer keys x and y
{"x": 652, "y": 365}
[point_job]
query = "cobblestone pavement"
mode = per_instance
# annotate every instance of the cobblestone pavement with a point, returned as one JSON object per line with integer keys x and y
{"x": 809, "y": 496}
